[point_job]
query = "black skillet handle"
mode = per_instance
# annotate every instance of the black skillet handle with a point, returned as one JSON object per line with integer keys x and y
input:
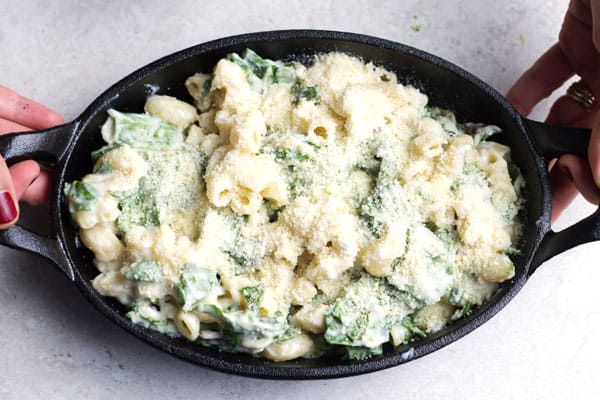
{"x": 553, "y": 141}
{"x": 47, "y": 146}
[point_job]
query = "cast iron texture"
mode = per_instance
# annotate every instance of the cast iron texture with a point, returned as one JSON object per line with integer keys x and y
{"x": 67, "y": 148}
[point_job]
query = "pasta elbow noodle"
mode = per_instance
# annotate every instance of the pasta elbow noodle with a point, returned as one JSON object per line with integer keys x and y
{"x": 303, "y": 291}
{"x": 103, "y": 242}
{"x": 86, "y": 219}
{"x": 113, "y": 284}
{"x": 171, "y": 110}
{"x": 311, "y": 318}
{"x": 247, "y": 132}
{"x": 242, "y": 179}
{"x": 290, "y": 349}
{"x": 126, "y": 161}
{"x": 188, "y": 324}
{"x": 315, "y": 122}
{"x": 498, "y": 269}
{"x": 378, "y": 258}
{"x": 198, "y": 86}
{"x": 107, "y": 209}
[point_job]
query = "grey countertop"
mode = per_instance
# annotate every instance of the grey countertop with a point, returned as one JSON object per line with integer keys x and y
{"x": 54, "y": 345}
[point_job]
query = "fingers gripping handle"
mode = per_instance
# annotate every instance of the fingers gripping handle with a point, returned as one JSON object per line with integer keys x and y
{"x": 552, "y": 142}
{"x": 46, "y": 146}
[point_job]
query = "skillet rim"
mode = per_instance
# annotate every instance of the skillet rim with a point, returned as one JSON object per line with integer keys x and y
{"x": 267, "y": 369}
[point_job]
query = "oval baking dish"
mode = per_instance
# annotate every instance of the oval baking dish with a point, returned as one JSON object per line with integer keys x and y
{"x": 67, "y": 148}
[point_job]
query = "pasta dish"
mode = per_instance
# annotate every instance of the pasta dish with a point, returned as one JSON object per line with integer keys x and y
{"x": 298, "y": 210}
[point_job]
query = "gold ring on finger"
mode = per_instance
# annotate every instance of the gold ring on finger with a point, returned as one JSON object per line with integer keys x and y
{"x": 582, "y": 95}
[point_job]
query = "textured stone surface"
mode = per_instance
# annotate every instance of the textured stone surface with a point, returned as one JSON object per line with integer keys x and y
{"x": 54, "y": 345}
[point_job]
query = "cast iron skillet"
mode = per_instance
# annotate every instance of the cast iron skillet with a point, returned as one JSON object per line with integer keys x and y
{"x": 67, "y": 149}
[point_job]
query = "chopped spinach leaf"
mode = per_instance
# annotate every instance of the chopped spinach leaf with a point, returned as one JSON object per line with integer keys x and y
{"x": 362, "y": 353}
{"x": 136, "y": 130}
{"x": 104, "y": 168}
{"x": 245, "y": 254}
{"x": 248, "y": 327}
{"x": 138, "y": 207}
{"x": 206, "y": 87}
{"x": 261, "y": 71}
{"x": 150, "y": 318}
{"x": 412, "y": 330}
{"x": 309, "y": 93}
{"x": 287, "y": 155}
{"x": 196, "y": 284}
{"x": 481, "y": 132}
{"x": 363, "y": 315}
{"x": 375, "y": 207}
{"x": 253, "y": 295}
{"x": 466, "y": 308}
{"x": 272, "y": 211}
{"x": 80, "y": 196}
{"x": 143, "y": 271}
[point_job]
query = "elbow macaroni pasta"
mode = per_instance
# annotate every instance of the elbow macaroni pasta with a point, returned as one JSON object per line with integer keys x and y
{"x": 295, "y": 211}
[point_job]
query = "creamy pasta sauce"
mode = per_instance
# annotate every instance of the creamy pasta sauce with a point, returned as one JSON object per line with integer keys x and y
{"x": 297, "y": 211}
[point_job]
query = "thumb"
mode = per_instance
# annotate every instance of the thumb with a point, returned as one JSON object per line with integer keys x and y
{"x": 9, "y": 208}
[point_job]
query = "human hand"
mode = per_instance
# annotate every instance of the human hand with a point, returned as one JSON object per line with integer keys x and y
{"x": 24, "y": 180}
{"x": 576, "y": 53}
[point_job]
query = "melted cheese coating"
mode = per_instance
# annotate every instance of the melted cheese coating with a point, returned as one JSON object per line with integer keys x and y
{"x": 293, "y": 202}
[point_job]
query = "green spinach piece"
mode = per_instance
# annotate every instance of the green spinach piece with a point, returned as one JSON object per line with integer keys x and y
{"x": 138, "y": 130}
{"x": 375, "y": 209}
{"x": 273, "y": 212}
{"x": 147, "y": 321}
{"x": 247, "y": 327}
{"x": 206, "y": 87}
{"x": 261, "y": 72}
{"x": 253, "y": 295}
{"x": 364, "y": 314}
{"x": 362, "y": 353}
{"x": 196, "y": 284}
{"x": 412, "y": 330}
{"x": 309, "y": 93}
{"x": 287, "y": 156}
{"x": 80, "y": 196}
{"x": 143, "y": 271}
{"x": 481, "y": 132}
{"x": 104, "y": 168}
{"x": 138, "y": 207}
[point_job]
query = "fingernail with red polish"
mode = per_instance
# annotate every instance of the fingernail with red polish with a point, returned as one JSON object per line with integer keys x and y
{"x": 8, "y": 208}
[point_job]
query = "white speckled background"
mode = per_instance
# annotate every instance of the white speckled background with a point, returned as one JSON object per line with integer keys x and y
{"x": 54, "y": 345}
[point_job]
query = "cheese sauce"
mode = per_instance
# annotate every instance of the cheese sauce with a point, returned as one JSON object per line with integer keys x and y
{"x": 295, "y": 211}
